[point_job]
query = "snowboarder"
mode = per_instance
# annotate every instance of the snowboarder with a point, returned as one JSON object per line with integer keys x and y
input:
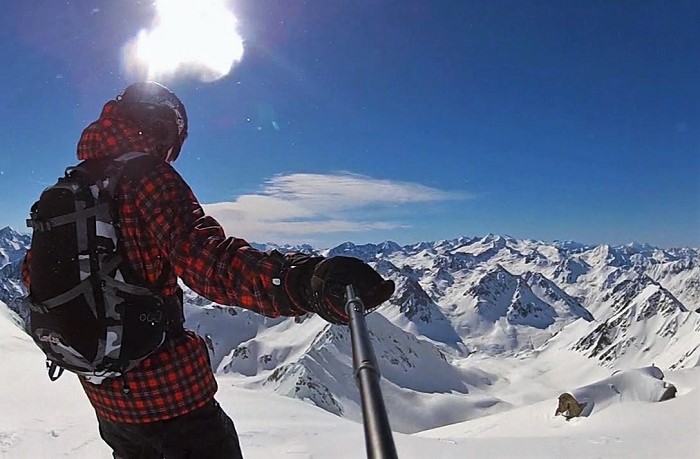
{"x": 165, "y": 406}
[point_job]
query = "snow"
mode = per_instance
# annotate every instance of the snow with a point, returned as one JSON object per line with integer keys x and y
{"x": 635, "y": 429}
{"x": 45, "y": 419}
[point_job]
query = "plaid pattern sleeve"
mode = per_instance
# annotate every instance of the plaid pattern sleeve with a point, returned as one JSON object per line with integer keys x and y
{"x": 225, "y": 270}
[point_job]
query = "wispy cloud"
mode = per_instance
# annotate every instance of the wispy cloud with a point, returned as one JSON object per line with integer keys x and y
{"x": 300, "y": 207}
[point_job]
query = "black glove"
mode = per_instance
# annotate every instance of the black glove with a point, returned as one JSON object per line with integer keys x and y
{"x": 332, "y": 275}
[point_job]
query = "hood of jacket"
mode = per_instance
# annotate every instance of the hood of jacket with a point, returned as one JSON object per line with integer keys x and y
{"x": 113, "y": 135}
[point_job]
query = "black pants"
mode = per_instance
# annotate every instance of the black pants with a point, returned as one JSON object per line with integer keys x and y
{"x": 206, "y": 432}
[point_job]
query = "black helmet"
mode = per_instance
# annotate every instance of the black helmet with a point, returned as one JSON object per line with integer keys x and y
{"x": 158, "y": 111}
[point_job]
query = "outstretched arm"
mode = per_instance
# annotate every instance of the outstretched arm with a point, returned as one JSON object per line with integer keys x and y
{"x": 225, "y": 270}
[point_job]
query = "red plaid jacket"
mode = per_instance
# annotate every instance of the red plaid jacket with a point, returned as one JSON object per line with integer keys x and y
{"x": 164, "y": 229}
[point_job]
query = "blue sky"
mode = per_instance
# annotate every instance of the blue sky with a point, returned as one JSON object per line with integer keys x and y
{"x": 402, "y": 120}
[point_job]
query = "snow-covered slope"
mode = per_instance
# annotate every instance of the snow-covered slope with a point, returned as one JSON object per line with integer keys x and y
{"x": 638, "y": 385}
{"x": 637, "y": 428}
{"x": 311, "y": 360}
{"x": 45, "y": 419}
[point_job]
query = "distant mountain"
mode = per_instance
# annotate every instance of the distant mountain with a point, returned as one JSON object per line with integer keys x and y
{"x": 646, "y": 319}
{"x": 504, "y": 312}
{"x": 13, "y": 246}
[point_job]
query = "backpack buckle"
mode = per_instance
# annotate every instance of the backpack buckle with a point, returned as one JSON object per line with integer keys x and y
{"x": 55, "y": 371}
{"x": 34, "y": 307}
{"x": 39, "y": 225}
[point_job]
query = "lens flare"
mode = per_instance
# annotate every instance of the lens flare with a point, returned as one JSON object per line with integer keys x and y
{"x": 187, "y": 38}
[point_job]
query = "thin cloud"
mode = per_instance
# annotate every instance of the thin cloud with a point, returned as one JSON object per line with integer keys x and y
{"x": 295, "y": 207}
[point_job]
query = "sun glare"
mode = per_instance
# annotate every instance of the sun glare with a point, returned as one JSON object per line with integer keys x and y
{"x": 186, "y": 37}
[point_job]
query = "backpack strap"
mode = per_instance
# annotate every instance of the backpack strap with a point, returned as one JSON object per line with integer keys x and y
{"x": 132, "y": 167}
{"x": 50, "y": 223}
{"x": 107, "y": 173}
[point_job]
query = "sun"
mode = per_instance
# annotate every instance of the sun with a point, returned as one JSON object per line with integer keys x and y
{"x": 187, "y": 37}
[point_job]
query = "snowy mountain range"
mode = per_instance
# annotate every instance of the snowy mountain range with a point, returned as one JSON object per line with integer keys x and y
{"x": 462, "y": 308}
{"x": 13, "y": 246}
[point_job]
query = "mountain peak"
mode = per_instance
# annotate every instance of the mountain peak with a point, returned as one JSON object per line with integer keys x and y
{"x": 8, "y": 233}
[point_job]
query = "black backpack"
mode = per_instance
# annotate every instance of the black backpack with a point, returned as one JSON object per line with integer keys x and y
{"x": 85, "y": 312}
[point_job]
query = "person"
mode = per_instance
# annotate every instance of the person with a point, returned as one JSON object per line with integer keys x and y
{"x": 165, "y": 406}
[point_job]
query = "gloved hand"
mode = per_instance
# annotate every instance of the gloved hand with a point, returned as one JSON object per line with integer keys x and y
{"x": 332, "y": 275}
